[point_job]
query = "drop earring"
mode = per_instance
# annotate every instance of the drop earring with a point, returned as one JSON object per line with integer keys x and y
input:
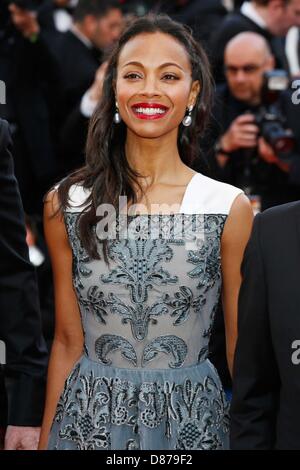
{"x": 117, "y": 117}
{"x": 187, "y": 120}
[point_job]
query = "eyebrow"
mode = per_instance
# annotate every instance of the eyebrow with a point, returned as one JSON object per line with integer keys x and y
{"x": 166, "y": 64}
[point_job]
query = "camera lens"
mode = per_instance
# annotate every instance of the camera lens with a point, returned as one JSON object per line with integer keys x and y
{"x": 284, "y": 144}
{"x": 280, "y": 139}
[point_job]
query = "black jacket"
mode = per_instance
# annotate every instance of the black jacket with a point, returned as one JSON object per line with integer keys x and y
{"x": 204, "y": 17}
{"x": 265, "y": 410}
{"x": 78, "y": 66}
{"x": 33, "y": 87}
{"x": 20, "y": 323}
{"x": 236, "y": 23}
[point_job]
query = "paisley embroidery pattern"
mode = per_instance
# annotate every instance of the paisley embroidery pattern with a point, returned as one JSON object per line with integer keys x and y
{"x": 168, "y": 344}
{"x": 144, "y": 313}
{"x": 96, "y": 302}
{"x": 182, "y": 302}
{"x": 65, "y": 396}
{"x": 139, "y": 316}
{"x": 139, "y": 266}
{"x": 80, "y": 257}
{"x": 108, "y": 343}
{"x": 194, "y": 415}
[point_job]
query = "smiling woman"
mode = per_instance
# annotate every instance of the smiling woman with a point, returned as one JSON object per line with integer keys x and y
{"x": 129, "y": 367}
{"x": 168, "y": 86}
{"x": 156, "y": 62}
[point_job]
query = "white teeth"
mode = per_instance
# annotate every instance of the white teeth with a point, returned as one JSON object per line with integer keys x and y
{"x": 150, "y": 111}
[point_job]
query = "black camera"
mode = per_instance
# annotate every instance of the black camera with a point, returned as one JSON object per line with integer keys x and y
{"x": 269, "y": 117}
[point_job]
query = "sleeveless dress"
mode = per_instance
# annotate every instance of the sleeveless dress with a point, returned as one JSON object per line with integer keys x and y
{"x": 144, "y": 380}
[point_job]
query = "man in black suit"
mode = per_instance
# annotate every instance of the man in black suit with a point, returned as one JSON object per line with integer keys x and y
{"x": 96, "y": 26}
{"x": 20, "y": 323}
{"x": 269, "y": 18}
{"x": 265, "y": 410}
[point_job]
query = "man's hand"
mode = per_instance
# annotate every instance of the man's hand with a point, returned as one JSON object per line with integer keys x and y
{"x": 24, "y": 21}
{"x": 242, "y": 133}
{"x": 95, "y": 91}
{"x": 267, "y": 154}
{"x": 21, "y": 438}
{"x": 93, "y": 95}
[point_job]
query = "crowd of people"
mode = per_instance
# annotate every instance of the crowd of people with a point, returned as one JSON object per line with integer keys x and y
{"x": 54, "y": 57}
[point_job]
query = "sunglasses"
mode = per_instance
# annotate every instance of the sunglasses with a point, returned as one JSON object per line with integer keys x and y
{"x": 247, "y": 69}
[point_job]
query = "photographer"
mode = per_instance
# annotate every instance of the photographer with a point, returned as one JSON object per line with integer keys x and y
{"x": 246, "y": 158}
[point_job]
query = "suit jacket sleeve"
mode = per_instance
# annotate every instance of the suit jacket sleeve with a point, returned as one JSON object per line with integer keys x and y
{"x": 255, "y": 375}
{"x": 20, "y": 322}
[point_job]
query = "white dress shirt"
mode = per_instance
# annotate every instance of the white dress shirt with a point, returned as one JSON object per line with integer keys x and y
{"x": 247, "y": 9}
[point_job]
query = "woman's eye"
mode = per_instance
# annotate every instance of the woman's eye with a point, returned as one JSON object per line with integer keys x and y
{"x": 169, "y": 76}
{"x": 132, "y": 76}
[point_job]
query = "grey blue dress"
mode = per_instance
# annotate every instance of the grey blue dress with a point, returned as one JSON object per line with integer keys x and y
{"x": 144, "y": 380}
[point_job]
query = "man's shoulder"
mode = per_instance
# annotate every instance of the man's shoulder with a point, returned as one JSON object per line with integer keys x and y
{"x": 236, "y": 19}
{"x": 224, "y": 101}
{"x": 236, "y": 23}
{"x": 4, "y": 134}
{"x": 222, "y": 91}
{"x": 280, "y": 219}
{"x": 71, "y": 44}
{"x": 281, "y": 210}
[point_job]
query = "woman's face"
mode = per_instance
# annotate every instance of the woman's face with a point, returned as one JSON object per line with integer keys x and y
{"x": 154, "y": 85}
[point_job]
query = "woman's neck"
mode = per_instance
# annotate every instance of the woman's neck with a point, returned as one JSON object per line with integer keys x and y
{"x": 156, "y": 159}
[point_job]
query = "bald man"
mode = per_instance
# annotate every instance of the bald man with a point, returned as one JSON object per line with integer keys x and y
{"x": 240, "y": 156}
{"x": 244, "y": 157}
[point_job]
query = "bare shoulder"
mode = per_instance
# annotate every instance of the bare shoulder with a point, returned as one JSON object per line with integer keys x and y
{"x": 54, "y": 225}
{"x": 239, "y": 221}
{"x": 52, "y": 204}
{"x": 241, "y": 208}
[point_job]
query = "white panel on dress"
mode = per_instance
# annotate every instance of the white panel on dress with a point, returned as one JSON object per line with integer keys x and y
{"x": 203, "y": 195}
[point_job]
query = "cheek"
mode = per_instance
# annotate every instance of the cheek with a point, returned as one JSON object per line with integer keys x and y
{"x": 179, "y": 97}
{"x": 124, "y": 92}
{"x": 232, "y": 83}
{"x": 257, "y": 84}
{"x": 175, "y": 96}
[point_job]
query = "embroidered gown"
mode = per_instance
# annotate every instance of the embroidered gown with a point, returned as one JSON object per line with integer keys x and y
{"x": 144, "y": 380}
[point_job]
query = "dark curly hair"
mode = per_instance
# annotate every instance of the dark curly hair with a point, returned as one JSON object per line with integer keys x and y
{"x": 107, "y": 172}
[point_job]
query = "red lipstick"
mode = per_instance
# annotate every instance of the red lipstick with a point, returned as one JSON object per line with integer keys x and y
{"x": 149, "y": 111}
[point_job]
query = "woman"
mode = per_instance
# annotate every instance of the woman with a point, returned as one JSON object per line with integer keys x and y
{"x": 141, "y": 307}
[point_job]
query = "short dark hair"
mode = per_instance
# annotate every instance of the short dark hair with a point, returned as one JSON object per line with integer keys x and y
{"x": 266, "y": 2}
{"x": 94, "y": 7}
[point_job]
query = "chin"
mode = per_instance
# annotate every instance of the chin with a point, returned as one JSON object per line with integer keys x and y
{"x": 149, "y": 131}
{"x": 243, "y": 96}
{"x": 149, "y": 134}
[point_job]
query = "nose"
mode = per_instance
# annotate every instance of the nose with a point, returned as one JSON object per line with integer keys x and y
{"x": 150, "y": 86}
{"x": 116, "y": 33}
{"x": 240, "y": 75}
